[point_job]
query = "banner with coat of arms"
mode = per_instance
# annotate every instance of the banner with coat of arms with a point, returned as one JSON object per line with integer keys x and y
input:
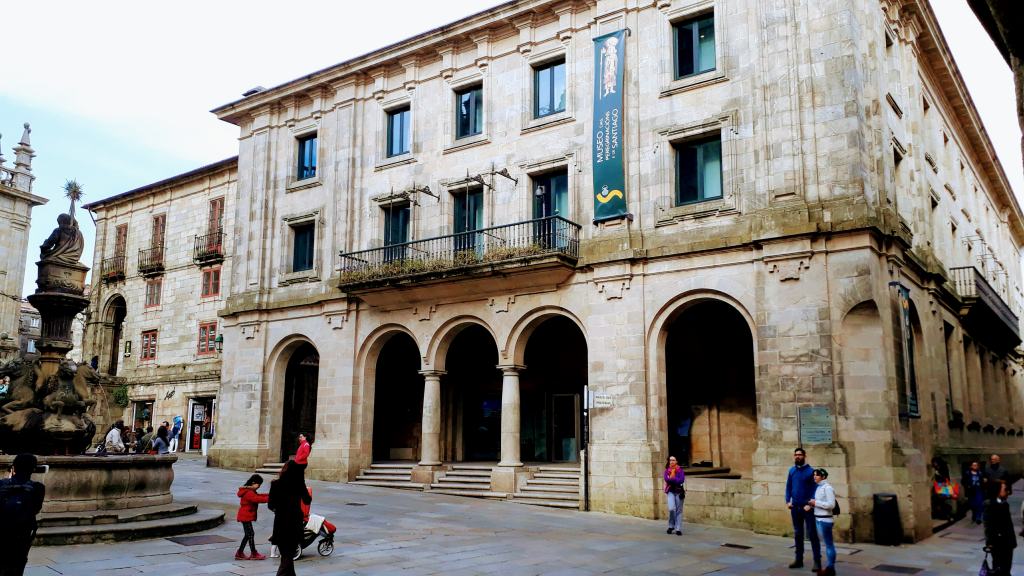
{"x": 608, "y": 163}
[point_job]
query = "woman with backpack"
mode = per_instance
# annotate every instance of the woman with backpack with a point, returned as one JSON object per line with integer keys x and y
{"x": 824, "y": 506}
{"x": 676, "y": 493}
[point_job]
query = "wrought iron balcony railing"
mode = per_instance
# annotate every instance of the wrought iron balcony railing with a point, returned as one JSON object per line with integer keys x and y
{"x": 997, "y": 318}
{"x": 151, "y": 260}
{"x": 505, "y": 244}
{"x": 209, "y": 248}
{"x": 112, "y": 268}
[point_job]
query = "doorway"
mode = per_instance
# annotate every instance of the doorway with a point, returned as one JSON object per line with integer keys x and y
{"x": 472, "y": 394}
{"x": 398, "y": 401}
{"x": 301, "y": 379}
{"x": 200, "y": 422}
{"x": 117, "y": 310}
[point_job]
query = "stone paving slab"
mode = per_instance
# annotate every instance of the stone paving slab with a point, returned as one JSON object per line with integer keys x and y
{"x": 412, "y": 533}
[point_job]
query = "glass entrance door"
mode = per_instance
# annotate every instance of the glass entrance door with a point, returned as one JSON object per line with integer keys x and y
{"x": 565, "y": 427}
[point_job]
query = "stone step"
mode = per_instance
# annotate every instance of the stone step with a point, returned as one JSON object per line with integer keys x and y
{"x": 530, "y": 487}
{"x": 396, "y": 465}
{"x": 388, "y": 484}
{"x": 549, "y": 496}
{"x": 574, "y": 469}
{"x": 549, "y": 503}
{"x": 459, "y": 486}
{"x": 557, "y": 475}
{"x": 471, "y": 472}
{"x": 460, "y": 478}
{"x": 376, "y": 478}
{"x": 554, "y": 482}
{"x": 107, "y": 517}
{"x": 387, "y": 471}
{"x": 159, "y": 528}
{"x": 471, "y": 493}
{"x": 487, "y": 467}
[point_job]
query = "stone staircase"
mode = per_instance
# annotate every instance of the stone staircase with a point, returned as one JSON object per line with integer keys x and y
{"x": 553, "y": 486}
{"x": 61, "y": 528}
{"x": 271, "y": 469}
{"x": 467, "y": 480}
{"x": 388, "y": 475}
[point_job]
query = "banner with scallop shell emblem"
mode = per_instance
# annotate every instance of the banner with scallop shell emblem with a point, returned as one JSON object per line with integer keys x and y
{"x": 609, "y": 170}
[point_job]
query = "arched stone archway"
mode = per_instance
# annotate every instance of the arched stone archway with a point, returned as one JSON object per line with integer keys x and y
{"x": 301, "y": 380}
{"x": 114, "y": 314}
{"x": 471, "y": 398}
{"x": 710, "y": 395}
{"x": 397, "y": 400}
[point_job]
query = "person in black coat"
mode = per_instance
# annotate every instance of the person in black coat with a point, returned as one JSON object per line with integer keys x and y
{"x": 1000, "y": 538}
{"x": 21, "y": 498}
{"x": 286, "y": 493}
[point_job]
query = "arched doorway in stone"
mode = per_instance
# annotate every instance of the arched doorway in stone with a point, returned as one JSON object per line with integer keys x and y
{"x": 472, "y": 395}
{"x": 551, "y": 392}
{"x": 398, "y": 401}
{"x": 301, "y": 378}
{"x": 710, "y": 394}
{"x": 113, "y": 331}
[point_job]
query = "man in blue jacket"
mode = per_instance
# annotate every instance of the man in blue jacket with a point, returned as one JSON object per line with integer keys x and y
{"x": 800, "y": 488}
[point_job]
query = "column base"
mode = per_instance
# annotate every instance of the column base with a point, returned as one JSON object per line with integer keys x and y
{"x": 510, "y": 464}
{"x": 423, "y": 473}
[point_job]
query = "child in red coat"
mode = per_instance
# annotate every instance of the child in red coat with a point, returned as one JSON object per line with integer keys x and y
{"x": 249, "y": 500}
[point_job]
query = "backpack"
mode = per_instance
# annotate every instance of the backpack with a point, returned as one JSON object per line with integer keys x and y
{"x": 18, "y": 504}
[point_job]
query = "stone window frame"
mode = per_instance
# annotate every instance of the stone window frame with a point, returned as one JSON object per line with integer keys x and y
{"x": 144, "y": 349}
{"x": 452, "y": 142}
{"x": 666, "y": 211}
{"x": 297, "y": 132}
{"x": 158, "y": 281}
{"x": 285, "y": 274}
{"x": 386, "y": 107}
{"x": 202, "y": 282}
{"x": 531, "y": 124}
{"x": 678, "y": 11}
{"x": 540, "y": 166}
{"x": 199, "y": 338}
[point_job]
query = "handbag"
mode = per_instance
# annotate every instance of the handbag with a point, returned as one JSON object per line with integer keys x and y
{"x": 985, "y": 570}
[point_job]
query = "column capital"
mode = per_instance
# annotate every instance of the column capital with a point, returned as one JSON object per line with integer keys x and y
{"x": 437, "y": 373}
{"x": 510, "y": 368}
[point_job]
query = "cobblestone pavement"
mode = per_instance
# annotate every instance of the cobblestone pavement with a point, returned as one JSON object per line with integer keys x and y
{"x": 385, "y": 531}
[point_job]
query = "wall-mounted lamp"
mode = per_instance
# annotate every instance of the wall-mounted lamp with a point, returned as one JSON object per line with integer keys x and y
{"x": 127, "y": 348}
{"x": 218, "y": 343}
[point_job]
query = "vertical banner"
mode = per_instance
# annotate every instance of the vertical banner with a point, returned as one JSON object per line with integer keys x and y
{"x": 908, "y": 392}
{"x": 609, "y": 171}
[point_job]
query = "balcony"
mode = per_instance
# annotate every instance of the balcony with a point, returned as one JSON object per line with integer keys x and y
{"x": 984, "y": 312}
{"x": 112, "y": 268}
{"x": 209, "y": 248}
{"x": 498, "y": 259}
{"x": 151, "y": 261}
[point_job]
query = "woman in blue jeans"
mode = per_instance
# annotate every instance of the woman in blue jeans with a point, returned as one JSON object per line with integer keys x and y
{"x": 823, "y": 503}
{"x": 674, "y": 491}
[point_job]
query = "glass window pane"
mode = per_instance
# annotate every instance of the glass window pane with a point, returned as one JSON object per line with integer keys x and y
{"x": 558, "y": 87}
{"x": 706, "y": 43}
{"x": 687, "y": 173}
{"x": 684, "y": 49}
{"x": 711, "y": 169}
{"x": 463, "y": 115}
{"x": 542, "y": 90}
{"x": 478, "y": 111}
{"x": 406, "y": 130}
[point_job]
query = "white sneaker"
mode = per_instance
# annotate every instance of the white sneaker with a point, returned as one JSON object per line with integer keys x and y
{"x": 274, "y": 552}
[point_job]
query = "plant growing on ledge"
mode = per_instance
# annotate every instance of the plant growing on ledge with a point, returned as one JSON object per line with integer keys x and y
{"x": 120, "y": 395}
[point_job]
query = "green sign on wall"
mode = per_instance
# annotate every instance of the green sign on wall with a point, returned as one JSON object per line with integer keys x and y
{"x": 609, "y": 171}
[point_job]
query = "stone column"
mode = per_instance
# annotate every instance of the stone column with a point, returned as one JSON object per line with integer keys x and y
{"x": 430, "y": 445}
{"x": 510, "y": 422}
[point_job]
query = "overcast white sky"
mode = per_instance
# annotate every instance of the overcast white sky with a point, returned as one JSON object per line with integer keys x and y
{"x": 118, "y": 92}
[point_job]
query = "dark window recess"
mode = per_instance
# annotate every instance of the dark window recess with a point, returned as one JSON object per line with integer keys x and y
{"x": 399, "y": 131}
{"x": 302, "y": 252}
{"x": 307, "y": 157}
{"x": 470, "y": 113}
{"x": 469, "y": 216}
{"x": 396, "y": 231}
{"x": 699, "y": 170}
{"x": 694, "y": 46}
{"x": 551, "y": 194}
{"x": 549, "y": 89}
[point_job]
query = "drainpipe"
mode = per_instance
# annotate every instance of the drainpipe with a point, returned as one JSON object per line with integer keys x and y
{"x": 586, "y": 449}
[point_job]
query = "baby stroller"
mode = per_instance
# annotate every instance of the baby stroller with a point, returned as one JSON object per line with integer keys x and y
{"x": 317, "y": 527}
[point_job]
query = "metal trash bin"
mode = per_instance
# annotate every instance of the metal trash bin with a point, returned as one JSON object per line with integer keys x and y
{"x": 886, "y": 516}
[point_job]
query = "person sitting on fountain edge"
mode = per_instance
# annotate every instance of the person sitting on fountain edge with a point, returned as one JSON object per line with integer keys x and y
{"x": 21, "y": 499}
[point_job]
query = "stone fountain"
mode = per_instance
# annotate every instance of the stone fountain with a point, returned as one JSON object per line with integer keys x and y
{"x": 45, "y": 409}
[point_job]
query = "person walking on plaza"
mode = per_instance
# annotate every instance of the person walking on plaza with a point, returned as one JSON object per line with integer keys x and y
{"x": 159, "y": 443}
{"x": 993, "y": 475}
{"x": 800, "y": 488}
{"x": 175, "y": 434}
{"x": 113, "y": 442}
{"x": 675, "y": 491}
{"x": 302, "y": 454}
{"x": 973, "y": 482}
{"x": 21, "y": 498}
{"x": 285, "y": 498}
{"x": 1000, "y": 538}
{"x": 249, "y": 501}
{"x": 822, "y": 506}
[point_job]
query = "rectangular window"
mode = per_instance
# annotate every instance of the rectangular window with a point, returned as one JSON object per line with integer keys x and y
{"x": 31, "y": 347}
{"x": 148, "y": 345}
{"x": 469, "y": 116}
{"x": 34, "y": 322}
{"x": 215, "y": 221}
{"x": 121, "y": 240}
{"x": 469, "y": 216}
{"x": 302, "y": 246}
{"x": 551, "y": 194}
{"x": 159, "y": 226}
{"x": 211, "y": 282}
{"x": 396, "y": 230}
{"x": 153, "y": 288}
{"x": 694, "y": 45}
{"x": 549, "y": 89}
{"x": 307, "y": 157}
{"x": 399, "y": 131}
{"x": 699, "y": 170}
{"x": 207, "y": 337}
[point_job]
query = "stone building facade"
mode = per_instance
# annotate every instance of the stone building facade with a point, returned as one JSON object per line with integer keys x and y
{"x": 820, "y": 248}
{"x": 16, "y": 203}
{"x": 29, "y": 330}
{"x": 161, "y": 251}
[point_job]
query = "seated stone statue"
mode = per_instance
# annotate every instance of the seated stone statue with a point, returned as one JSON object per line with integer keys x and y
{"x": 65, "y": 243}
